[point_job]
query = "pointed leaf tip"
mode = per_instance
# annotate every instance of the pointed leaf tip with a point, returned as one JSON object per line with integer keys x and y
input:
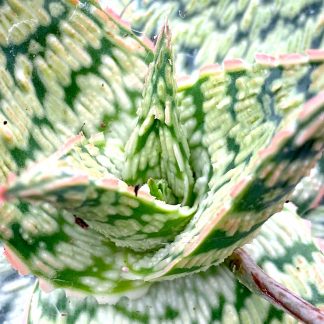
{"x": 164, "y": 37}
{"x": 166, "y": 29}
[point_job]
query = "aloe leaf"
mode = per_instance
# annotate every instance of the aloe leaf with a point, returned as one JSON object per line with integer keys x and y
{"x": 207, "y": 32}
{"x": 60, "y": 62}
{"x": 211, "y": 296}
{"x": 309, "y": 198}
{"x": 53, "y": 246}
{"x": 297, "y": 264}
{"x": 157, "y": 147}
{"x": 65, "y": 67}
{"x": 251, "y": 184}
{"x": 74, "y": 179}
{"x": 161, "y": 190}
{"x": 261, "y": 129}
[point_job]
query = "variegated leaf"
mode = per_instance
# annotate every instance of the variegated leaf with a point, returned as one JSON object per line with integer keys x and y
{"x": 157, "y": 147}
{"x": 252, "y": 131}
{"x": 213, "y": 296}
{"x": 250, "y": 184}
{"x": 65, "y": 66}
{"x": 206, "y": 32}
{"x": 77, "y": 179}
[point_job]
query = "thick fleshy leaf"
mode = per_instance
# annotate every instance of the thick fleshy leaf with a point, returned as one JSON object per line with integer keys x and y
{"x": 249, "y": 182}
{"x": 290, "y": 254}
{"x": 309, "y": 198}
{"x": 215, "y": 295}
{"x": 63, "y": 55}
{"x": 77, "y": 179}
{"x": 252, "y": 182}
{"x": 206, "y": 32}
{"x": 53, "y": 246}
{"x": 65, "y": 66}
{"x": 157, "y": 147}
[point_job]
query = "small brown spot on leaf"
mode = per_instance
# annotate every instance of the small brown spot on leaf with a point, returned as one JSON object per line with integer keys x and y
{"x": 79, "y": 221}
{"x": 5, "y": 122}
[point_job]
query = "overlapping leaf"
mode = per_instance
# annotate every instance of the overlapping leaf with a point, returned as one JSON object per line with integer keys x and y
{"x": 158, "y": 147}
{"x": 64, "y": 68}
{"x": 211, "y": 296}
{"x": 208, "y": 31}
{"x": 252, "y": 131}
{"x": 309, "y": 197}
{"x": 77, "y": 179}
{"x": 244, "y": 190}
{"x": 309, "y": 193}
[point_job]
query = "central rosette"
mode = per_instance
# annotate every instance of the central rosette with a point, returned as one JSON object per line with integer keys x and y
{"x": 158, "y": 148}
{"x": 192, "y": 176}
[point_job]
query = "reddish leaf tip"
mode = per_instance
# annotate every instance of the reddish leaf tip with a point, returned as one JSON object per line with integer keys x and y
{"x": 15, "y": 262}
{"x": 233, "y": 65}
{"x": 2, "y": 194}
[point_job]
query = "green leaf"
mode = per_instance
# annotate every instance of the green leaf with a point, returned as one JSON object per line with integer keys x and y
{"x": 255, "y": 150}
{"x": 157, "y": 147}
{"x": 209, "y": 31}
{"x": 52, "y": 246}
{"x": 77, "y": 179}
{"x": 246, "y": 187}
{"x": 316, "y": 217}
{"x": 65, "y": 67}
{"x": 160, "y": 190}
{"x": 214, "y": 295}
{"x": 252, "y": 132}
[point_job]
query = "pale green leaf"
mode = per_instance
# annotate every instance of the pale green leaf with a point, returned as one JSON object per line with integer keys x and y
{"x": 209, "y": 31}
{"x": 215, "y": 295}
{"x": 157, "y": 147}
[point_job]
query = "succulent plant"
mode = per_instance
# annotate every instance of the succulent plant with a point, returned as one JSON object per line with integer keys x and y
{"x": 142, "y": 191}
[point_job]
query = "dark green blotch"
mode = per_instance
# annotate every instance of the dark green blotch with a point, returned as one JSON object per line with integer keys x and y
{"x": 306, "y": 250}
{"x": 216, "y": 313}
{"x": 219, "y": 239}
{"x": 171, "y": 313}
{"x": 182, "y": 270}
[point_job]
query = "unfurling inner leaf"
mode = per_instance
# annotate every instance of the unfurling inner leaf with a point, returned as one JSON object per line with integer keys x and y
{"x": 158, "y": 147}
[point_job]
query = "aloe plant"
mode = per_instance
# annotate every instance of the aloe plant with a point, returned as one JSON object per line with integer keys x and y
{"x": 121, "y": 180}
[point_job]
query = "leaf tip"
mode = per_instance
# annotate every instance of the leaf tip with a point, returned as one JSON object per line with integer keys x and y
{"x": 164, "y": 38}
